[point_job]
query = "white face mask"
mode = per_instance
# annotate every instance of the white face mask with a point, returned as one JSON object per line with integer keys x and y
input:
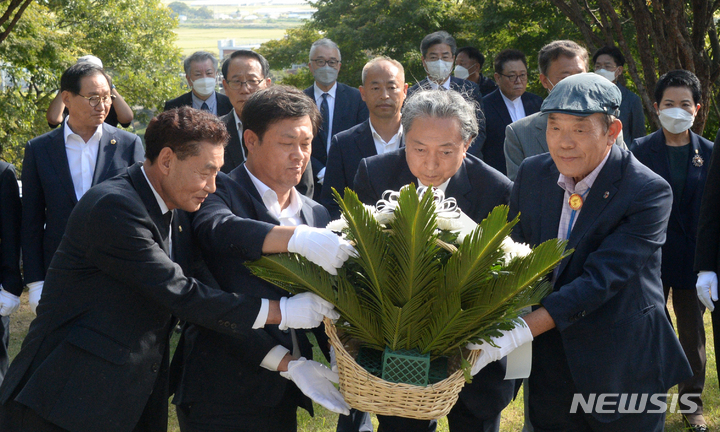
{"x": 439, "y": 69}
{"x": 325, "y": 75}
{"x": 461, "y": 72}
{"x": 610, "y": 76}
{"x": 204, "y": 86}
{"x": 676, "y": 120}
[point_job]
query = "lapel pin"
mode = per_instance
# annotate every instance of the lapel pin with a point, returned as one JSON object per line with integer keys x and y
{"x": 606, "y": 194}
{"x": 112, "y": 141}
{"x": 179, "y": 228}
{"x": 697, "y": 160}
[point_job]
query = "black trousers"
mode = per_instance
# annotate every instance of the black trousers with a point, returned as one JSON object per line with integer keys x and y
{"x": 15, "y": 417}
{"x": 210, "y": 417}
{"x": 4, "y": 340}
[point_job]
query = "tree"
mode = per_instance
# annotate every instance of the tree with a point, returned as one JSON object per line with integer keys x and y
{"x": 13, "y": 12}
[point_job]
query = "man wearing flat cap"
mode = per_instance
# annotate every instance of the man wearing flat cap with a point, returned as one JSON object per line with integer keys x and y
{"x": 604, "y": 352}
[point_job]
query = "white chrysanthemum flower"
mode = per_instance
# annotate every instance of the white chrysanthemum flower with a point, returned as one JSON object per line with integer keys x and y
{"x": 384, "y": 218}
{"x": 337, "y": 225}
{"x": 513, "y": 250}
{"x": 449, "y": 224}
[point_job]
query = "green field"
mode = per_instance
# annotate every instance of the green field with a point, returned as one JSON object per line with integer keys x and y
{"x": 196, "y": 38}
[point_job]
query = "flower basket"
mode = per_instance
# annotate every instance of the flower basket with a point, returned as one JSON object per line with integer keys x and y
{"x": 367, "y": 392}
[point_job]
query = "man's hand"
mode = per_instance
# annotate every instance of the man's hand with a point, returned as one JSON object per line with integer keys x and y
{"x": 321, "y": 246}
{"x": 707, "y": 289}
{"x": 8, "y": 303}
{"x": 505, "y": 344}
{"x": 305, "y": 310}
{"x": 34, "y": 294}
{"x": 315, "y": 381}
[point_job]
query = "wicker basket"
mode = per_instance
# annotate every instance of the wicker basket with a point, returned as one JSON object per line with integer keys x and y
{"x": 366, "y": 392}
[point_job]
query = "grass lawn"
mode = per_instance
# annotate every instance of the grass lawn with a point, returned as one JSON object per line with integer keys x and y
{"x": 512, "y": 418}
{"x": 196, "y": 38}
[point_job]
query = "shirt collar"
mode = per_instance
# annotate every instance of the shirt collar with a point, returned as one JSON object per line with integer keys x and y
{"x": 210, "y": 101}
{"x": 270, "y": 198}
{"x": 319, "y": 92}
{"x": 67, "y": 132}
{"x": 442, "y": 187}
{"x": 238, "y": 123}
{"x": 568, "y": 184}
{"x": 512, "y": 102}
{"x": 398, "y": 135}
{"x": 163, "y": 207}
{"x": 435, "y": 86}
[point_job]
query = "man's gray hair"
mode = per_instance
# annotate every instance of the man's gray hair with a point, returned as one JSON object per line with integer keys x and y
{"x": 441, "y": 104}
{"x": 325, "y": 42}
{"x": 439, "y": 37}
{"x": 200, "y": 56}
{"x": 379, "y": 59}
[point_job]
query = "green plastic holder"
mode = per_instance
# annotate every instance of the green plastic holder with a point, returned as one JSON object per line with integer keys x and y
{"x": 438, "y": 370}
{"x": 371, "y": 360}
{"x": 406, "y": 366}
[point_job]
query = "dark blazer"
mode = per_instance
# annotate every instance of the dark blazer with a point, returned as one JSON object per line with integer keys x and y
{"x": 96, "y": 355}
{"x": 486, "y": 85}
{"x": 471, "y": 93}
{"x": 608, "y": 297}
{"x": 478, "y": 189}
{"x": 223, "y": 103}
{"x": 678, "y": 252}
{"x": 631, "y": 115}
{"x": 10, "y": 220}
{"x": 234, "y": 156}
{"x": 230, "y": 227}
{"x": 497, "y": 118}
{"x": 49, "y": 194}
{"x": 347, "y": 150}
{"x": 707, "y": 252}
{"x": 349, "y": 111}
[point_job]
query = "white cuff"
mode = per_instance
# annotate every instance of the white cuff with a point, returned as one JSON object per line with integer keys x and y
{"x": 32, "y": 285}
{"x": 262, "y": 316}
{"x": 321, "y": 175}
{"x": 274, "y": 357}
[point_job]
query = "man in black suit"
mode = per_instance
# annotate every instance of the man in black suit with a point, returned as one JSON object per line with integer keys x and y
{"x": 602, "y": 333}
{"x": 10, "y": 279}
{"x": 341, "y": 106}
{"x": 230, "y": 385}
{"x": 469, "y": 62}
{"x": 244, "y": 73}
{"x": 435, "y": 153}
{"x": 438, "y": 56}
{"x": 201, "y": 75}
{"x": 96, "y": 357}
{"x": 509, "y": 103}
{"x": 383, "y": 90}
{"x": 61, "y": 165}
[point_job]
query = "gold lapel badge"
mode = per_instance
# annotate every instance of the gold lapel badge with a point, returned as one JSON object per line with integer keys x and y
{"x": 697, "y": 160}
{"x": 606, "y": 194}
{"x": 112, "y": 141}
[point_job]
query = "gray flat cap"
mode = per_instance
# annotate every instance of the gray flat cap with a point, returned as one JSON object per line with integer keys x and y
{"x": 583, "y": 94}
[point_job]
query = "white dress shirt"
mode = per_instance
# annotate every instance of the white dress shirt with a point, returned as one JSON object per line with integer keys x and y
{"x": 442, "y": 187}
{"x": 381, "y": 145}
{"x": 436, "y": 86}
{"x": 515, "y": 108}
{"x": 82, "y": 157}
{"x": 239, "y": 125}
{"x": 211, "y": 102}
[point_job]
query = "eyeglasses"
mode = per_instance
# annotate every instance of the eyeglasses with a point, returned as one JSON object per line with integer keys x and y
{"x": 95, "y": 100}
{"x": 237, "y": 84}
{"x": 323, "y": 62}
{"x": 514, "y": 77}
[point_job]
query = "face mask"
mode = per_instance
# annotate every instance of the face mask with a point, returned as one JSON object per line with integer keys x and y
{"x": 461, "y": 72}
{"x": 676, "y": 120}
{"x": 610, "y": 76}
{"x": 204, "y": 86}
{"x": 439, "y": 69}
{"x": 325, "y": 75}
{"x": 551, "y": 88}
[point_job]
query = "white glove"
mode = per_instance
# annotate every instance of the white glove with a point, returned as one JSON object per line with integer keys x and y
{"x": 34, "y": 294}
{"x": 333, "y": 360}
{"x": 707, "y": 289}
{"x": 321, "y": 246}
{"x": 506, "y": 343}
{"x": 315, "y": 381}
{"x": 305, "y": 310}
{"x": 8, "y": 303}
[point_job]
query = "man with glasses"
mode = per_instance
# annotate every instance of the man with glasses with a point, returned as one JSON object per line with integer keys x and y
{"x": 438, "y": 56}
{"x": 340, "y": 105}
{"x": 61, "y": 165}
{"x": 509, "y": 103}
{"x": 244, "y": 73}
{"x": 201, "y": 76}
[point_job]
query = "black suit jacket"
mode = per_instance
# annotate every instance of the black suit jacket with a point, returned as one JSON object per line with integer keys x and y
{"x": 96, "y": 355}
{"x": 230, "y": 227}
{"x": 10, "y": 219}
{"x": 349, "y": 111}
{"x": 223, "y": 103}
{"x": 49, "y": 194}
{"x": 478, "y": 189}
{"x": 678, "y": 252}
{"x": 234, "y": 156}
{"x": 471, "y": 93}
{"x": 608, "y": 303}
{"x": 347, "y": 150}
{"x": 707, "y": 252}
{"x": 498, "y": 117}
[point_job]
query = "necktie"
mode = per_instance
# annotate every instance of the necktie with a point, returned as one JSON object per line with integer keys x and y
{"x": 167, "y": 219}
{"x": 324, "y": 111}
{"x": 205, "y": 107}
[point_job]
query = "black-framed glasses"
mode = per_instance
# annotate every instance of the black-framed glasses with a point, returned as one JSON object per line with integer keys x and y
{"x": 323, "y": 62}
{"x": 237, "y": 84}
{"x": 515, "y": 77}
{"x": 95, "y": 100}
